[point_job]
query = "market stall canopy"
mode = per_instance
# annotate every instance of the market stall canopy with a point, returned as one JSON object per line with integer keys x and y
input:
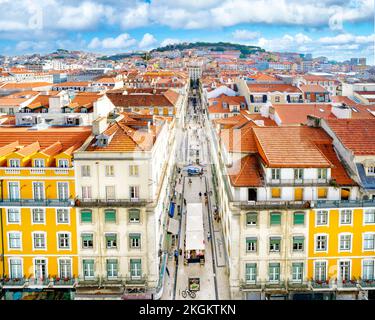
{"x": 194, "y": 227}
{"x": 173, "y": 226}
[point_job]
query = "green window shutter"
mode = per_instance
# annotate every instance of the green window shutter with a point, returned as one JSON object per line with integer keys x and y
{"x": 251, "y": 218}
{"x": 299, "y": 218}
{"x": 110, "y": 237}
{"x": 110, "y": 215}
{"x": 86, "y": 216}
{"x": 275, "y": 240}
{"x": 87, "y": 237}
{"x": 134, "y": 215}
{"x": 299, "y": 239}
{"x": 275, "y": 218}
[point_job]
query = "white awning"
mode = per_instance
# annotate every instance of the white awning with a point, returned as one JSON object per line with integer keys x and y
{"x": 173, "y": 226}
{"x": 194, "y": 227}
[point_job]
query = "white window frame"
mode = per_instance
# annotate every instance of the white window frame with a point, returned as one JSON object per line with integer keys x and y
{"x": 58, "y": 184}
{"x": 83, "y": 268}
{"x": 86, "y": 170}
{"x": 339, "y": 242}
{"x": 86, "y": 188}
{"x": 43, "y": 214}
{"x": 57, "y": 216}
{"x": 109, "y": 170}
{"x": 58, "y": 234}
{"x": 314, "y": 269}
{"x": 316, "y": 218}
{"x": 39, "y": 163}
{"x": 276, "y": 170}
{"x": 133, "y": 170}
{"x": 315, "y": 242}
{"x": 44, "y": 190}
{"x": 364, "y": 215}
{"x": 341, "y": 216}
{"x": 71, "y": 266}
{"x": 137, "y": 188}
{"x": 19, "y": 216}
{"x": 10, "y": 269}
{"x": 34, "y": 265}
{"x": 60, "y": 163}
{"x": 117, "y": 240}
{"x": 19, "y": 189}
{"x": 302, "y": 271}
{"x": 14, "y": 160}
{"x": 256, "y": 272}
{"x": 363, "y": 241}
{"x": 362, "y": 269}
{"x": 45, "y": 240}
{"x": 350, "y": 269}
{"x": 20, "y": 240}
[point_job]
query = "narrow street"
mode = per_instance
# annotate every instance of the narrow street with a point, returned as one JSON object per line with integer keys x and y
{"x": 212, "y": 275}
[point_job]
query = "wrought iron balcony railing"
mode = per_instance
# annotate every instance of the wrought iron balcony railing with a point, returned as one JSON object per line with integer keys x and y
{"x": 111, "y": 202}
{"x": 37, "y": 202}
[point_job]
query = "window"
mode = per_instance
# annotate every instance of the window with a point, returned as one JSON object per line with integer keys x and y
{"x": 39, "y": 163}
{"x": 275, "y": 244}
{"x": 251, "y": 218}
{"x": 63, "y": 163}
{"x": 251, "y": 272}
{"x": 63, "y": 190}
{"x": 135, "y": 268}
{"x": 85, "y": 171}
{"x": 110, "y": 215}
{"x": 135, "y": 240}
{"x": 368, "y": 270}
{"x": 274, "y": 272}
{"x": 15, "y": 268}
{"x": 86, "y": 216}
{"x": 371, "y": 171}
{"x": 38, "y": 190}
{"x": 14, "y": 240}
{"x": 320, "y": 270}
{"x": 369, "y": 241}
{"x": 345, "y": 242}
{"x": 275, "y": 218}
{"x": 134, "y": 215}
{"x": 62, "y": 215}
{"x": 322, "y": 174}
{"x": 14, "y": 190}
{"x": 39, "y": 241}
{"x": 298, "y": 174}
{"x": 109, "y": 171}
{"x": 64, "y": 240}
{"x": 38, "y": 216}
{"x": 110, "y": 193}
{"x": 369, "y": 216}
{"x": 86, "y": 192}
{"x": 322, "y": 193}
{"x": 298, "y": 218}
{"x": 87, "y": 240}
{"x": 346, "y": 217}
{"x": 134, "y": 192}
{"x": 275, "y": 173}
{"x": 88, "y": 268}
{"x": 297, "y": 271}
{"x": 251, "y": 244}
{"x": 112, "y": 268}
{"x": 321, "y": 243}
{"x": 276, "y": 193}
{"x": 14, "y": 216}
{"x": 298, "y": 194}
{"x": 111, "y": 240}
{"x": 134, "y": 170}
{"x": 321, "y": 217}
{"x": 14, "y": 163}
{"x": 344, "y": 270}
{"x": 65, "y": 267}
{"x": 298, "y": 243}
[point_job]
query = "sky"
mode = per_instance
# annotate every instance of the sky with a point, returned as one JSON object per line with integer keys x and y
{"x": 337, "y": 29}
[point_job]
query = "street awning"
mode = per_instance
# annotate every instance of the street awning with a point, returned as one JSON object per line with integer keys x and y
{"x": 173, "y": 226}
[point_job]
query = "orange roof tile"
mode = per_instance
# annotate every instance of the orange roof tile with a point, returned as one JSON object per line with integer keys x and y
{"x": 297, "y": 113}
{"x": 245, "y": 172}
{"x": 312, "y": 88}
{"x": 260, "y": 87}
{"x": 29, "y": 149}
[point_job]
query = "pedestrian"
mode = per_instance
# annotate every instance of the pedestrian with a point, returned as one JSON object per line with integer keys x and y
{"x": 208, "y": 236}
{"x": 179, "y": 181}
{"x": 176, "y": 255}
{"x": 200, "y": 194}
{"x": 205, "y": 194}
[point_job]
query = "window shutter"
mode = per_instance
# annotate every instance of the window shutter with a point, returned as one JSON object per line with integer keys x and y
{"x": 275, "y": 218}
{"x": 86, "y": 216}
{"x": 110, "y": 215}
{"x": 299, "y": 218}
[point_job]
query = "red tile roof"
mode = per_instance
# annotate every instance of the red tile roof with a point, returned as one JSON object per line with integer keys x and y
{"x": 245, "y": 172}
{"x": 260, "y": 87}
{"x": 297, "y": 113}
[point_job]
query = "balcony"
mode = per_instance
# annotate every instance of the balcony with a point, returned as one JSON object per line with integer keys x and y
{"x": 39, "y": 282}
{"x": 111, "y": 203}
{"x": 253, "y": 205}
{"x": 112, "y": 281}
{"x": 298, "y": 182}
{"x": 347, "y": 285}
{"x": 250, "y": 285}
{"x": 366, "y": 284}
{"x": 12, "y": 171}
{"x": 63, "y": 282}
{"x": 136, "y": 281}
{"x": 275, "y": 286}
{"x": 88, "y": 282}
{"x": 298, "y": 285}
{"x": 37, "y": 171}
{"x": 344, "y": 203}
{"x": 36, "y": 202}
{"x": 13, "y": 283}
{"x": 317, "y": 285}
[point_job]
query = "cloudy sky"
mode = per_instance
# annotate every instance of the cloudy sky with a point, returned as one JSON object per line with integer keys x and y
{"x": 338, "y": 29}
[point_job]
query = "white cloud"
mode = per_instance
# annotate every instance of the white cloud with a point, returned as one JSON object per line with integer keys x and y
{"x": 346, "y": 38}
{"x": 136, "y": 16}
{"x": 245, "y": 34}
{"x": 169, "y": 41}
{"x": 147, "y": 41}
{"x": 123, "y": 41}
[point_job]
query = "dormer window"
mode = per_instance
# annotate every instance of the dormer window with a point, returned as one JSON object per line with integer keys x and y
{"x": 39, "y": 163}
{"x": 83, "y": 110}
{"x": 225, "y": 105}
{"x": 242, "y": 105}
{"x": 102, "y": 141}
{"x": 63, "y": 163}
{"x": 14, "y": 163}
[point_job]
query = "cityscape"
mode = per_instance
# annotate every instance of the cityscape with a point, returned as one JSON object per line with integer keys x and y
{"x": 153, "y": 150}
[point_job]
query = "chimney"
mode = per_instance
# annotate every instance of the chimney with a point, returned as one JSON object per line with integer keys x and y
{"x": 99, "y": 125}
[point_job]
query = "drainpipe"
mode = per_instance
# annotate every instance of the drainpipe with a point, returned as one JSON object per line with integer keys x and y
{"x": 2, "y": 230}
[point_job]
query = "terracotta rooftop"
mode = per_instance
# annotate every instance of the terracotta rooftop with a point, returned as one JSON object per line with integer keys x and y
{"x": 356, "y": 135}
{"x": 313, "y": 88}
{"x": 260, "y": 87}
{"x": 297, "y": 113}
{"x": 245, "y": 172}
{"x": 291, "y": 147}
{"x": 239, "y": 140}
